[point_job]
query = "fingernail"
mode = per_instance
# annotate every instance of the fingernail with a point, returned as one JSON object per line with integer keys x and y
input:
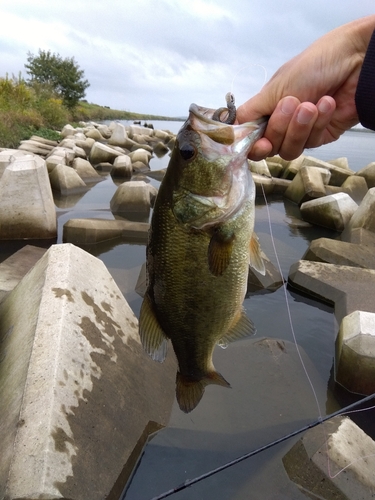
{"x": 288, "y": 106}
{"x": 304, "y": 116}
{"x": 324, "y": 106}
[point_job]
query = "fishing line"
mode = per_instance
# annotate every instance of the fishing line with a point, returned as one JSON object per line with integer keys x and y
{"x": 288, "y": 308}
{"x": 190, "y": 482}
{"x": 332, "y": 476}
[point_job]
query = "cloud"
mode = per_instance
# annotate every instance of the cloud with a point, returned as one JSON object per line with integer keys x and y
{"x": 157, "y": 57}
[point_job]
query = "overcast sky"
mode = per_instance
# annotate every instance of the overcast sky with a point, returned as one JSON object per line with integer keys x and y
{"x": 158, "y": 56}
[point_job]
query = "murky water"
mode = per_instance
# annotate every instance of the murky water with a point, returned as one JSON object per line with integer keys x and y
{"x": 267, "y": 399}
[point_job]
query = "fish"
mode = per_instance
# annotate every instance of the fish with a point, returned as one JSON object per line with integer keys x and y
{"x": 200, "y": 245}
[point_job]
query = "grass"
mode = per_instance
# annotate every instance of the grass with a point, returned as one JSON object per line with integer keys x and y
{"x": 27, "y": 111}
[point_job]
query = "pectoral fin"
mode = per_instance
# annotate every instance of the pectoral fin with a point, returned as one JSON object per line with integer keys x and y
{"x": 256, "y": 261}
{"x": 219, "y": 253}
{"x": 154, "y": 340}
{"x": 242, "y": 327}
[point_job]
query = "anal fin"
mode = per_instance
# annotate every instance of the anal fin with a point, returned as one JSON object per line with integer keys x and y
{"x": 256, "y": 261}
{"x": 241, "y": 328}
{"x": 154, "y": 340}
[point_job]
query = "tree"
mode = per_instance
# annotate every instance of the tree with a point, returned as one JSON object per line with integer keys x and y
{"x": 62, "y": 76}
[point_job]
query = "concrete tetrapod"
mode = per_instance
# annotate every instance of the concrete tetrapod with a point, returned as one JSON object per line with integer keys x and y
{"x": 355, "y": 353}
{"x": 27, "y": 209}
{"x": 77, "y": 391}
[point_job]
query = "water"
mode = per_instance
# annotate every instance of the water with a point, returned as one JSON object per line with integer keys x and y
{"x": 264, "y": 403}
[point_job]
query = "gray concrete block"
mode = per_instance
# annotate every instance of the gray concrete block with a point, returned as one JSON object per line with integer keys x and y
{"x": 77, "y": 390}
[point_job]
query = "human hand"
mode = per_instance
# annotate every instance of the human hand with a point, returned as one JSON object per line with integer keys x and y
{"x": 310, "y": 99}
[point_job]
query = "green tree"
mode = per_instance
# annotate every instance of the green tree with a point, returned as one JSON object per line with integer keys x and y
{"x": 62, "y": 76}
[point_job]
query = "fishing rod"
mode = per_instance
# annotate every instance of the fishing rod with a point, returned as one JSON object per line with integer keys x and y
{"x": 190, "y": 482}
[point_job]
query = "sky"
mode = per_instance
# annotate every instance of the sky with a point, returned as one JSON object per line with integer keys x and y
{"x": 159, "y": 56}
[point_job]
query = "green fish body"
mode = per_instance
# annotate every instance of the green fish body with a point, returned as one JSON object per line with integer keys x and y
{"x": 200, "y": 246}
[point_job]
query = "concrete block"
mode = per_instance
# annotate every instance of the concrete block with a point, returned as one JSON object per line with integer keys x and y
{"x": 66, "y": 153}
{"x": 341, "y": 253}
{"x": 83, "y": 232}
{"x": 160, "y": 149}
{"x": 85, "y": 170}
{"x": 356, "y": 187}
{"x": 118, "y": 136}
{"x": 14, "y": 268}
{"x": 368, "y": 173}
{"x": 266, "y": 185}
{"x": 338, "y": 174}
{"x": 133, "y": 197}
{"x": 341, "y": 162}
{"x": 364, "y": 216}
{"x": 27, "y": 210}
{"x": 8, "y": 156}
{"x": 53, "y": 160}
{"x": 334, "y": 463}
{"x": 66, "y": 180}
{"x": 122, "y": 167}
{"x": 259, "y": 167}
{"x": 345, "y": 287}
{"x": 333, "y": 212}
{"x": 292, "y": 167}
{"x": 76, "y": 389}
{"x": 270, "y": 281}
{"x": 307, "y": 184}
{"x": 355, "y": 353}
{"x": 101, "y": 153}
{"x": 141, "y": 155}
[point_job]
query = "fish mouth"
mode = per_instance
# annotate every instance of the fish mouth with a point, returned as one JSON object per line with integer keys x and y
{"x": 239, "y": 136}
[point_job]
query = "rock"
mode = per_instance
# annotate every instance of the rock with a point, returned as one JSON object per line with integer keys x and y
{"x": 75, "y": 380}
{"x": 333, "y": 212}
{"x": 83, "y": 232}
{"x": 341, "y": 253}
{"x": 14, "y": 268}
{"x": 119, "y": 135}
{"x": 101, "y": 153}
{"x": 122, "y": 167}
{"x": 27, "y": 210}
{"x": 307, "y": 184}
{"x": 85, "y": 170}
{"x": 355, "y": 353}
{"x": 133, "y": 197}
{"x": 66, "y": 181}
{"x": 347, "y": 288}
{"x": 337, "y": 463}
{"x": 368, "y": 173}
{"x": 361, "y": 227}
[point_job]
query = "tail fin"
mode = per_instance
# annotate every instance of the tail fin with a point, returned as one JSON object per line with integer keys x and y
{"x": 189, "y": 392}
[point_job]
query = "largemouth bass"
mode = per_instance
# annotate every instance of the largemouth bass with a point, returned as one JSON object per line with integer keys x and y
{"x": 200, "y": 245}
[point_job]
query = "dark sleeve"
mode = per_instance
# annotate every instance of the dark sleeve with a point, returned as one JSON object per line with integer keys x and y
{"x": 365, "y": 93}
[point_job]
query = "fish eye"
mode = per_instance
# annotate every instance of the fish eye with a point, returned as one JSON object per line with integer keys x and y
{"x": 187, "y": 151}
